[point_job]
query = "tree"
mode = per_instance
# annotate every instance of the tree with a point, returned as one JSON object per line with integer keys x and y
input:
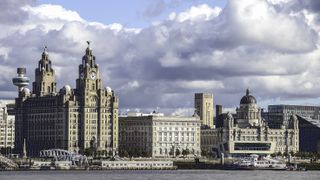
{"x": 88, "y": 152}
{"x": 279, "y": 154}
{"x": 2, "y": 151}
{"x": 144, "y": 153}
{"x": 125, "y": 153}
{"x": 178, "y": 152}
{"x": 273, "y": 154}
{"x": 130, "y": 152}
{"x": 110, "y": 153}
{"x": 138, "y": 152}
{"x": 212, "y": 154}
{"x": 171, "y": 152}
{"x": 185, "y": 152}
{"x": 291, "y": 153}
{"x": 204, "y": 153}
{"x": 98, "y": 153}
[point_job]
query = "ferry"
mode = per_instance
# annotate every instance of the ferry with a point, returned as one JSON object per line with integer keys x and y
{"x": 63, "y": 165}
{"x": 41, "y": 165}
{"x": 254, "y": 162}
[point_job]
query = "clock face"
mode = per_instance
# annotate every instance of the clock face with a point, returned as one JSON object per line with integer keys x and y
{"x": 93, "y": 75}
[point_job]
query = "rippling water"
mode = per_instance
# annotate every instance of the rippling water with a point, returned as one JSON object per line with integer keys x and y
{"x": 165, "y": 175}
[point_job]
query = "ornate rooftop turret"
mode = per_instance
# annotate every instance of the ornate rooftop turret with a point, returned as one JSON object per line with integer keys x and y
{"x": 89, "y": 59}
{"x": 45, "y": 76}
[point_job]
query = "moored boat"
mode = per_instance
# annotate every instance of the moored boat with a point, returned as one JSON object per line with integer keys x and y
{"x": 254, "y": 162}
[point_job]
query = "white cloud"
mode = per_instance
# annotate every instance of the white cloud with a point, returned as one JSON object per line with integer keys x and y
{"x": 52, "y": 12}
{"x": 196, "y": 13}
{"x": 260, "y": 22}
{"x": 271, "y": 48}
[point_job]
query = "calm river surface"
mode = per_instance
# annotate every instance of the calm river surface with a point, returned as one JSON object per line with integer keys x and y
{"x": 163, "y": 175}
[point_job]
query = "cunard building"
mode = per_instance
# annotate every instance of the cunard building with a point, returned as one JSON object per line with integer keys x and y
{"x": 80, "y": 119}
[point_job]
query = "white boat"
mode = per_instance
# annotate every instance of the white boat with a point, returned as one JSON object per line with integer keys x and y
{"x": 62, "y": 165}
{"x": 260, "y": 163}
{"x": 37, "y": 165}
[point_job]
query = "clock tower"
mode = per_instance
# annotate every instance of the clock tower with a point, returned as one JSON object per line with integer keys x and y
{"x": 89, "y": 77}
{"x": 98, "y": 106}
{"x": 44, "y": 84}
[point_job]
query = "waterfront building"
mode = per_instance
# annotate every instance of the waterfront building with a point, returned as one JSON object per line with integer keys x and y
{"x": 159, "y": 136}
{"x": 246, "y": 132}
{"x": 79, "y": 120}
{"x": 7, "y": 127}
{"x": 203, "y": 103}
{"x": 280, "y": 114}
{"x": 209, "y": 138}
{"x": 218, "y": 120}
{"x": 309, "y": 136}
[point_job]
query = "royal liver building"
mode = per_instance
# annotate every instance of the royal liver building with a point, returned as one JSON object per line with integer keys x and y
{"x": 80, "y": 119}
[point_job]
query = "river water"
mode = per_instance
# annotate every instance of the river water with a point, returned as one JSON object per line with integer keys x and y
{"x": 162, "y": 175}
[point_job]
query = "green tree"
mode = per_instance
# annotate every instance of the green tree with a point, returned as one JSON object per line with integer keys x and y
{"x": 125, "y": 153}
{"x": 130, "y": 152}
{"x": 279, "y": 154}
{"x": 185, "y": 152}
{"x": 171, "y": 152}
{"x": 110, "y": 153}
{"x": 98, "y": 153}
{"x": 211, "y": 154}
{"x": 204, "y": 153}
{"x": 292, "y": 153}
{"x": 144, "y": 154}
{"x": 297, "y": 154}
{"x": 138, "y": 152}
{"x": 178, "y": 152}
{"x": 88, "y": 152}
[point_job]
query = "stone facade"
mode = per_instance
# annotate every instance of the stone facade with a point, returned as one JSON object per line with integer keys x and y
{"x": 157, "y": 136}
{"x": 203, "y": 103}
{"x": 247, "y": 133}
{"x": 7, "y": 123}
{"x": 209, "y": 138}
{"x": 72, "y": 119}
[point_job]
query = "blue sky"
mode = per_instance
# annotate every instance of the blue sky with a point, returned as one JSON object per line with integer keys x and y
{"x": 130, "y": 13}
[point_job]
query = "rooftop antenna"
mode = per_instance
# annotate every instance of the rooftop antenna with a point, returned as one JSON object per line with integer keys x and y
{"x": 88, "y": 42}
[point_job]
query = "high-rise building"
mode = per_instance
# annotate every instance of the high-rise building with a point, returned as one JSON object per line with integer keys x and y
{"x": 218, "y": 110}
{"x": 6, "y": 127}
{"x": 203, "y": 103}
{"x": 280, "y": 114}
{"x": 80, "y": 119}
{"x": 309, "y": 136}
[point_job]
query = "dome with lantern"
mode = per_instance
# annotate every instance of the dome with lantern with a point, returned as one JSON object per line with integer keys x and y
{"x": 248, "y": 99}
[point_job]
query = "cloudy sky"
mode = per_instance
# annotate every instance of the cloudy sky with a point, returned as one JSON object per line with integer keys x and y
{"x": 158, "y": 53}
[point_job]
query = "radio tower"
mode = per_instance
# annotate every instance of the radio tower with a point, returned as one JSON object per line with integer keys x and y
{"x": 21, "y": 81}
